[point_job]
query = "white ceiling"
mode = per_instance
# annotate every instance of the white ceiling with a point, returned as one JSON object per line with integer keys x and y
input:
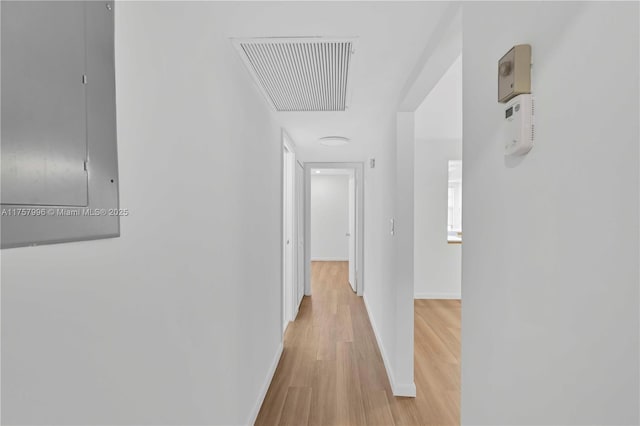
{"x": 390, "y": 38}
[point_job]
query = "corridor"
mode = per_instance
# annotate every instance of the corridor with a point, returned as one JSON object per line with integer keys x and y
{"x": 331, "y": 371}
{"x": 177, "y": 176}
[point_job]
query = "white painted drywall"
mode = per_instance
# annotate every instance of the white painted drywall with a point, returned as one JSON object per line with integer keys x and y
{"x": 439, "y": 116}
{"x": 438, "y": 124}
{"x": 178, "y": 320}
{"x": 443, "y": 48}
{"x": 404, "y": 254}
{"x": 550, "y": 326}
{"x": 438, "y": 264}
{"x": 329, "y": 217}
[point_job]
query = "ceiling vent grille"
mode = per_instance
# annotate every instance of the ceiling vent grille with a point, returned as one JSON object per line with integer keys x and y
{"x": 301, "y": 74}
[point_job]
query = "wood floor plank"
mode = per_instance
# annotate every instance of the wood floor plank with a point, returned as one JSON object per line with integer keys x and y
{"x": 377, "y": 408}
{"x": 331, "y": 371}
{"x": 295, "y": 411}
{"x": 405, "y": 411}
{"x": 302, "y": 371}
{"x": 269, "y": 414}
{"x": 327, "y": 337}
{"x": 344, "y": 326}
{"x": 348, "y": 392}
{"x": 323, "y": 398}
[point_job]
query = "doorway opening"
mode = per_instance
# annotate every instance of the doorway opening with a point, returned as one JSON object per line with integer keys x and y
{"x": 438, "y": 239}
{"x": 438, "y": 185}
{"x": 334, "y": 219}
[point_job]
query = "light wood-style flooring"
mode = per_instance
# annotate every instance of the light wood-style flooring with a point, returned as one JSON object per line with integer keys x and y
{"x": 331, "y": 371}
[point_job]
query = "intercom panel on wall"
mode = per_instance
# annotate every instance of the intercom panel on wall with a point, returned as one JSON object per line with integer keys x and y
{"x": 514, "y": 72}
{"x": 58, "y": 144}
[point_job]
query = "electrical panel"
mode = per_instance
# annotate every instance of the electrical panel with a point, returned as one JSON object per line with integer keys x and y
{"x": 44, "y": 126}
{"x": 58, "y": 139}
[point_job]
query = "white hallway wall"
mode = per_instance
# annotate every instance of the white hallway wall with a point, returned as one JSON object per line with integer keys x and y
{"x": 438, "y": 123}
{"x": 329, "y": 217}
{"x": 439, "y": 116}
{"x": 152, "y": 327}
{"x": 550, "y": 324}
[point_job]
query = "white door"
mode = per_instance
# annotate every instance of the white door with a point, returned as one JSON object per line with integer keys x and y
{"x": 288, "y": 240}
{"x": 300, "y": 231}
{"x": 351, "y": 234}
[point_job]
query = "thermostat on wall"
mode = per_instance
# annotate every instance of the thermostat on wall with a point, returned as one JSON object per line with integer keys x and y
{"x": 518, "y": 116}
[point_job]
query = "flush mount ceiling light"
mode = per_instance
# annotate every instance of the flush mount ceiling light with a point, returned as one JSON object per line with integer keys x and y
{"x": 333, "y": 140}
{"x": 302, "y": 73}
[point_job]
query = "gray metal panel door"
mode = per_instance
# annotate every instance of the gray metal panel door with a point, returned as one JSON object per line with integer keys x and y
{"x": 44, "y": 125}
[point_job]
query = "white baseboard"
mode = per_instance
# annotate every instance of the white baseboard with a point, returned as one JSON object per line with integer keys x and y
{"x": 399, "y": 389}
{"x": 329, "y": 259}
{"x": 265, "y": 387}
{"x": 437, "y": 296}
{"x": 405, "y": 389}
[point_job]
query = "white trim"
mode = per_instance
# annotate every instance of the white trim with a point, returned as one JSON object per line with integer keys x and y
{"x": 299, "y": 234}
{"x": 265, "y": 386}
{"x": 330, "y": 259}
{"x": 405, "y": 389}
{"x": 398, "y": 389}
{"x": 457, "y": 296}
{"x": 289, "y": 305}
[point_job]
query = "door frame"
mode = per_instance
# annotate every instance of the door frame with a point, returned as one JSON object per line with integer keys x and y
{"x": 351, "y": 243}
{"x": 288, "y": 264}
{"x": 299, "y": 235}
{"x": 358, "y": 169}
